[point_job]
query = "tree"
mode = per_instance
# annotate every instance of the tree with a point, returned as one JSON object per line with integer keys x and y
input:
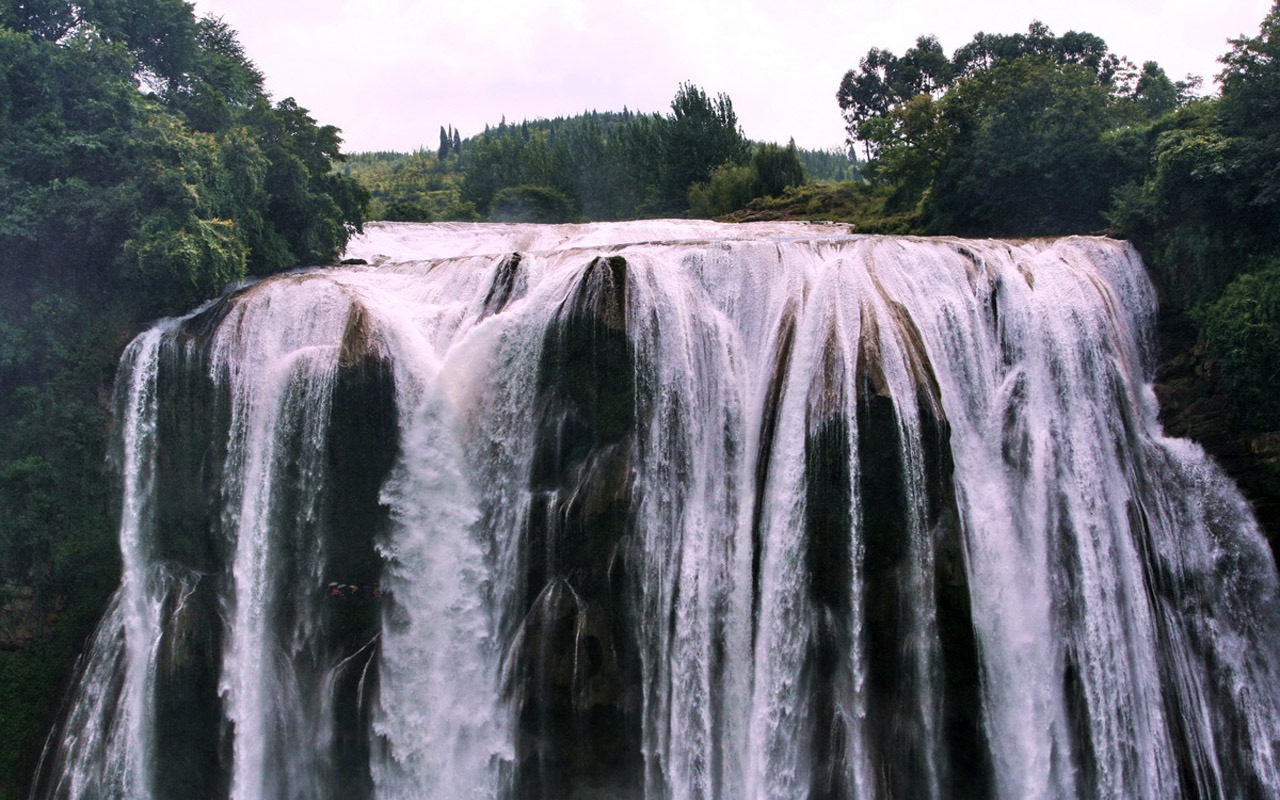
{"x": 1242, "y": 329}
{"x": 775, "y": 169}
{"x": 867, "y": 95}
{"x": 1250, "y": 113}
{"x": 496, "y": 160}
{"x": 702, "y": 134}
{"x": 884, "y": 82}
{"x": 729, "y": 188}
{"x": 1188, "y": 212}
{"x": 1028, "y": 151}
{"x": 1206, "y": 216}
{"x": 1154, "y": 93}
{"x": 1208, "y": 207}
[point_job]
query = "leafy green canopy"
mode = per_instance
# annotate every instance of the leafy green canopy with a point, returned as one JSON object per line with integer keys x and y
{"x": 607, "y": 166}
{"x": 1022, "y": 134}
{"x": 173, "y": 192}
{"x": 1207, "y": 208}
{"x": 610, "y": 166}
{"x": 771, "y": 170}
{"x": 1242, "y": 329}
{"x": 119, "y": 204}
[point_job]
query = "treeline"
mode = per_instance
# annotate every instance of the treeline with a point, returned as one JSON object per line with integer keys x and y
{"x": 142, "y": 169}
{"x": 1036, "y": 134}
{"x": 594, "y": 166}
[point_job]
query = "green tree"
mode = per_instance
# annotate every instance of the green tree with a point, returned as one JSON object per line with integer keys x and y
{"x": 1207, "y": 208}
{"x": 1155, "y": 94}
{"x": 730, "y": 187}
{"x": 1242, "y": 330}
{"x": 1029, "y": 150}
{"x": 884, "y": 83}
{"x": 702, "y": 134}
{"x": 775, "y": 169}
{"x": 1250, "y": 114}
{"x": 496, "y": 160}
{"x": 1188, "y": 211}
{"x": 1206, "y": 215}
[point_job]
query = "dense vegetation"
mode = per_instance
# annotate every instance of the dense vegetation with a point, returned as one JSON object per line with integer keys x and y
{"x": 142, "y": 169}
{"x": 694, "y": 160}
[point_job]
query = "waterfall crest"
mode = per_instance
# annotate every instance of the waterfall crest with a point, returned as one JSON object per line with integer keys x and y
{"x": 673, "y": 510}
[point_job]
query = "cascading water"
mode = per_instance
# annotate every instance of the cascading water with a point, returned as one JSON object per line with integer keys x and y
{"x": 673, "y": 510}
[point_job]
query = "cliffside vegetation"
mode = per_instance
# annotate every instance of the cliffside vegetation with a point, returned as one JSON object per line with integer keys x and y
{"x": 142, "y": 168}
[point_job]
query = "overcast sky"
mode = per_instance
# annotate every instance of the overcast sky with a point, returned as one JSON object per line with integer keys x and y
{"x": 389, "y": 73}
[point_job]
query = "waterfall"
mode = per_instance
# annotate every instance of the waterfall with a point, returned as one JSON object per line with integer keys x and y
{"x": 673, "y": 510}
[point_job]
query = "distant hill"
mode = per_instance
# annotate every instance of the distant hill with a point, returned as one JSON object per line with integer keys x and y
{"x": 592, "y": 166}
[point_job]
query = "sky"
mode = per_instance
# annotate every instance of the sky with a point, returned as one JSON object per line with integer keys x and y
{"x": 390, "y": 73}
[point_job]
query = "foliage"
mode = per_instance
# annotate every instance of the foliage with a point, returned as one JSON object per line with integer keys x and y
{"x": 973, "y": 142}
{"x": 1025, "y": 148}
{"x": 1175, "y": 213}
{"x": 702, "y": 133}
{"x": 775, "y": 169}
{"x": 730, "y": 187}
{"x": 864, "y": 206}
{"x": 771, "y": 170}
{"x": 1242, "y": 330}
{"x": 410, "y": 187}
{"x": 491, "y": 163}
{"x": 612, "y": 166}
{"x": 884, "y": 83}
{"x": 1207, "y": 214}
{"x": 615, "y": 165}
{"x": 1250, "y": 115}
{"x": 830, "y": 165}
{"x": 1208, "y": 206}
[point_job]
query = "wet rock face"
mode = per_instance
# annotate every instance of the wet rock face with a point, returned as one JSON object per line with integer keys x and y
{"x": 192, "y": 433}
{"x": 829, "y": 563}
{"x": 361, "y": 444}
{"x": 188, "y": 709}
{"x": 575, "y": 674}
{"x": 24, "y": 616}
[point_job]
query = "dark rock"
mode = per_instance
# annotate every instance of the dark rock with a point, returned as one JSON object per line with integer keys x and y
{"x": 25, "y": 616}
{"x": 574, "y": 668}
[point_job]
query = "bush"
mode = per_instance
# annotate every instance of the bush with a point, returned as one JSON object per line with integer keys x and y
{"x": 1242, "y": 331}
{"x": 730, "y": 188}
